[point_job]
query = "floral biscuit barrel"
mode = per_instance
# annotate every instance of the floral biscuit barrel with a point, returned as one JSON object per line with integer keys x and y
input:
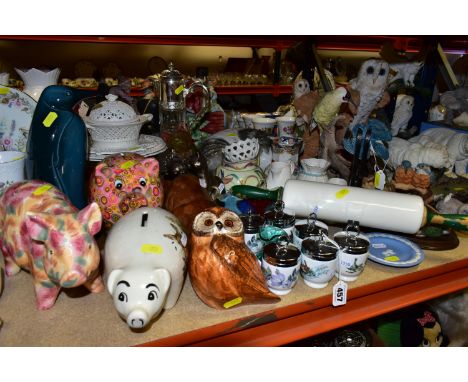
{"x": 42, "y": 232}
{"x": 124, "y": 182}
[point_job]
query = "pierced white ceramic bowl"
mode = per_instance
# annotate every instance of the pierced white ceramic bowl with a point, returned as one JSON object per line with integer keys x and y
{"x": 240, "y": 151}
{"x": 114, "y": 125}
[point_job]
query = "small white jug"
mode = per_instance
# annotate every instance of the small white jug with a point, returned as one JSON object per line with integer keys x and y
{"x": 279, "y": 173}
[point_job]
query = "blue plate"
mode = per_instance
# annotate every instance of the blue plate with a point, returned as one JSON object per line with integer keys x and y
{"x": 394, "y": 251}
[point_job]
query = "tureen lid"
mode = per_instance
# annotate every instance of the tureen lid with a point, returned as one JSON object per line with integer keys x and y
{"x": 112, "y": 111}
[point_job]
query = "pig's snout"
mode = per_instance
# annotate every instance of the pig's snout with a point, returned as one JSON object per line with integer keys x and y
{"x": 137, "y": 319}
{"x": 72, "y": 279}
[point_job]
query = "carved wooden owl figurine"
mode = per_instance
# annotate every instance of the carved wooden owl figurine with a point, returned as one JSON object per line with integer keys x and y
{"x": 222, "y": 270}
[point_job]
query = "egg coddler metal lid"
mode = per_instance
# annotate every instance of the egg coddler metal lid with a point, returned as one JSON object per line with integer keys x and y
{"x": 281, "y": 254}
{"x": 278, "y": 217}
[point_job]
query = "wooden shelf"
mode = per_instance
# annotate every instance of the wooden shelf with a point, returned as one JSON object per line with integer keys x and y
{"x": 277, "y": 42}
{"x": 310, "y": 318}
{"x": 275, "y": 90}
{"x": 456, "y": 44}
{"x": 82, "y": 319}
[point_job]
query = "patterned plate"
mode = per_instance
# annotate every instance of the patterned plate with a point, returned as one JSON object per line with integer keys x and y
{"x": 148, "y": 145}
{"x": 394, "y": 251}
{"x": 16, "y": 112}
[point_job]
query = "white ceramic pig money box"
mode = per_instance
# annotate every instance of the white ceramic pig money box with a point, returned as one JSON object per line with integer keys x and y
{"x": 145, "y": 262}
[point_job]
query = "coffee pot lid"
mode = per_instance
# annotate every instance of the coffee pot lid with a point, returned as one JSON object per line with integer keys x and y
{"x": 171, "y": 73}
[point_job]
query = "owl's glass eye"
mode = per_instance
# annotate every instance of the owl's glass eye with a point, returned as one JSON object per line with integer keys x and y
{"x": 118, "y": 184}
{"x": 142, "y": 182}
{"x": 370, "y": 70}
{"x": 382, "y": 72}
{"x": 209, "y": 222}
{"x": 229, "y": 223}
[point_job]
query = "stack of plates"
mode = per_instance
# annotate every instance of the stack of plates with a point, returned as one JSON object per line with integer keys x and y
{"x": 148, "y": 145}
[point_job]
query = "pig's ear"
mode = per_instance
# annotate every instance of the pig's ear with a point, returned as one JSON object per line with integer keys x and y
{"x": 112, "y": 280}
{"x": 163, "y": 279}
{"x": 152, "y": 164}
{"x": 91, "y": 216}
{"x": 38, "y": 227}
{"x": 99, "y": 167}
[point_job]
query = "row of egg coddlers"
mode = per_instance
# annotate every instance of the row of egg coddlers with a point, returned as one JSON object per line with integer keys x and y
{"x": 234, "y": 260}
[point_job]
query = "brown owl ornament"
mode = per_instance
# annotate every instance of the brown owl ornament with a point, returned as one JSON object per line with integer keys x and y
{"x": 223, "y": 271}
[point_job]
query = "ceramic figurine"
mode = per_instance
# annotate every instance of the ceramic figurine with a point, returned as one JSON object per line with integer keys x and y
{"x": 57, "y": 143}
{"x": 455, "y": 142}
{"x": 327, "y": 109}
{"x": 450, "y": 205}
{"x": 433, "y": 154}
{"x": 405, "y": 71}
{"x": 402, "y": 114}
{"x": 145, "y": 264}
{"x": 124, "y": 182}
{"x": 301, "y": 87}
{"x": 44, "y": 234}
{"x": 455, "y": 102}
{"x": 185, "y": 198}
{"x": 223, "y": 271}
{"x": 371, "y": 83}
{"x": 407, "y": 178}
{"x": 437, "y": 113}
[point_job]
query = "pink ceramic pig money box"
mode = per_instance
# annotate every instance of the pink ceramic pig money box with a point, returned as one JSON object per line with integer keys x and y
{"x": 144, "y": 264}
{"x": 124, "y": 182}
{"x": 42, "y": 232}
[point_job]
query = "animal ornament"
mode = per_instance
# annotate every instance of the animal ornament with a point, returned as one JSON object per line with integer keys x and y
{"x": 122, "y": 183}
{"x": 43, "y": 233}
{"x": 223, "y": 271}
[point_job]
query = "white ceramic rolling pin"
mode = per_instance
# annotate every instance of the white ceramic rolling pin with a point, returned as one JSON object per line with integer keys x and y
{"x": 372, "y": 208}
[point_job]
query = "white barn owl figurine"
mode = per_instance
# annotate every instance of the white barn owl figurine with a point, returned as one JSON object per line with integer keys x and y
{"x": 403, "y": 112}
{"x": 371, "y": 83}
{"x": 301, "y": 87}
